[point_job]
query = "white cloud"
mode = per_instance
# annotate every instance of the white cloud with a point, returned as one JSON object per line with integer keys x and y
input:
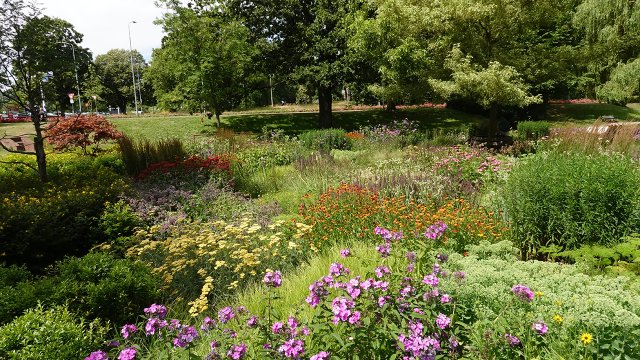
{"x": 104, "y": 23}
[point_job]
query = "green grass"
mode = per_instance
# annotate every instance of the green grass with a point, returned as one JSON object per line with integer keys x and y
{"x": 588, "y": 113}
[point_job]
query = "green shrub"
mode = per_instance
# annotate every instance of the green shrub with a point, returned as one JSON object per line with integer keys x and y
{"x": 51, "y": 334}
{"x": 532, "y": 130}
{"x": 100, "y": 286}
{"x": 94, "y": 286}
{"x": 138, "y": 155}
{"x": 325, "y": 140}
{"x": 572, "y": 199}
{"x": 44, "y": 223}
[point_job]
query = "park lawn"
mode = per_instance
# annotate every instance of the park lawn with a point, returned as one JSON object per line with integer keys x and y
{"x": 588, "y": 113}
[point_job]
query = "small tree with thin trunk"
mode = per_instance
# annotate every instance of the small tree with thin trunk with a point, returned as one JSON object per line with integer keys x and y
{"x": 493, "y": 87}
{"x": 81, "y": 131}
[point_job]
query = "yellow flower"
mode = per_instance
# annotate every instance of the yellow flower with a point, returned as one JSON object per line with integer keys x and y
{"x": 539, "y": 293}
{"x": 586, "y": 338}
{"x": 558, "y": 319}
{"x": 219, "y": 264}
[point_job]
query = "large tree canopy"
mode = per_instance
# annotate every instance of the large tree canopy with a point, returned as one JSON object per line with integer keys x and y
{"x": 112, "y": 79}
{"x": 204, "y": 63}
{"x": 28, "y": 56}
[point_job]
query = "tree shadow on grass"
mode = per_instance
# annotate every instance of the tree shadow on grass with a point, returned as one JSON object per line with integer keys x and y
{"x": 295, "y": 123}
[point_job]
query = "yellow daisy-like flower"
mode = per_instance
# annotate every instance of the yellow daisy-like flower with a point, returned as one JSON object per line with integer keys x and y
{"x": 586, "y": 338}
{"x": 558, "y": 319}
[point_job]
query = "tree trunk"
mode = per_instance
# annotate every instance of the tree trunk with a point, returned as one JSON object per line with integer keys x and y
{"x": 324, "y": 101}
{"x": 218, "y": 113}
{"x": 38, "y": 144}
{"x": 492, "y": 135}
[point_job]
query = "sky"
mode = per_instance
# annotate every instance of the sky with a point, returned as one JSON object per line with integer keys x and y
{"x": 104, "y": 23}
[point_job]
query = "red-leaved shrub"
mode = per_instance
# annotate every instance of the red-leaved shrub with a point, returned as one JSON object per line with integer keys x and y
{"x": 80, "y": 131}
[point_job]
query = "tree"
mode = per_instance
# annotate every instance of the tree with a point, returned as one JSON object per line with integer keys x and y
{"x": 205, "y": 61}
{"x": 611, "y": 30}
{"x": 111, "y": 77}
{"x": 303, "y": 39}
{"x": 26, "y": 56}
{"x": 493, "y": 87}
{"x": 624, "y": 84}
{"x": 81, "y": 131}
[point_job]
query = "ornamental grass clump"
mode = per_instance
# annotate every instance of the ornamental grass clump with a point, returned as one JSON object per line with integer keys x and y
{"x": 572, "y": 199}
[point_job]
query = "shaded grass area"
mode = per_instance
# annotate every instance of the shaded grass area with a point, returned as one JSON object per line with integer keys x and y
{"x": 588, "y": 113}
{"x": 188, "y": 127}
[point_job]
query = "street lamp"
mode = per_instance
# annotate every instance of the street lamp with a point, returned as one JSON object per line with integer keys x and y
{"x": 133, "y": 76}
{"x": 75, "y": 67}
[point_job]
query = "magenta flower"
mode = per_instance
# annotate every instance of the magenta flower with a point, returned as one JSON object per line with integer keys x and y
{"x": 273, "y": 279}
{"x": 337, "y": 269}
{"x": 127, "y": 354}
{"x": 277, "y": 327}
{"x": 153, "y": 325}
{"x": 341, "y": 308}
{"x": 292, "y": 348}
{"x": 253, "y": 321}
{"x": 383, "y": 300}
{"x": 345, "y": 253}
{"x": 186, "y": 336}
{"x": 127, "y": 330}
{"x": 226, "y": 314}
{"x": 155, "y": 310}
{"x": 431, "y": 280}
{"x": 522, "y": 292}
{"x": 540, "y": 327}
{"x": 322, "y": 355}
{"x": 443, "y": 321}
{"x": 382, "y": 271}
{"x": 384, "y": 249}
{"x": 206, "y": 324}
{"x": 445, "y": 298}
{"x": 237, "y": 351}
{"x": 512, "y": 339}
{"x": 97, "y": 355}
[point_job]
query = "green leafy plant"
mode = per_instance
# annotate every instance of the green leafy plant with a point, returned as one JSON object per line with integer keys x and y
{"x": 325, "y": 140}
{"x": 572, "y": 199}
{"x": 54, "y": 333}
{"x": 532, "y": 130}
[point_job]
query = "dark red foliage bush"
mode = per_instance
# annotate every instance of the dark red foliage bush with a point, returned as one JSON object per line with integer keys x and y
{"x": 80, "y": 131}
{"x": 214, "y": 163}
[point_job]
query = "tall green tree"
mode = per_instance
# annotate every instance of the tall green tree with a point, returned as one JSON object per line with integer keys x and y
{"x": 491, "y": 87}
{"x": 112, "y": 79}
{"x": 611, "y": 30}
{"x": 304, "y": 39}
{"x": 205, "y": 62}
{"x": 27, "y": 54}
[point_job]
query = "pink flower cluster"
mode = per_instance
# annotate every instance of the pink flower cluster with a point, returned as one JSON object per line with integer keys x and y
{"x": 273, "y": 279}
{"x": 522, "y": 292}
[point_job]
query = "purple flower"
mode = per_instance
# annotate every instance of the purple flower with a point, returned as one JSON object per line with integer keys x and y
{"x": 97, "y": 355}
{"x": 431, "y": 280}
{"x": 292, "y": 323}
{"x": 337, "y": 269}
{"x": 353, "y": 288}
{"x": 341, "y": 308}
{"x": 186, "y": 336}
{"x": 155, "y": 310}
{"x": 442, "y": 257}
{"x": 435, "y": 231}
{"x": 383, "y": 300}
{"x": 277, "y": 327}
{"x": 443, "y": 321}
{"x": 153, "y": 325}
{"x": 522, "y": 292}
{"x": 445, "y": 298}
{"x": 318, "y": 292}
{"x": 384, "y": 249}
{"x": 214, "y": 344}
{"x": 322, "y": 355}
{"x": 206, "y": 324}
{"x": 459, "y": 275}
{"x": 174, "y": 324}
{"x": 345, "y": 253}
{"x": 226, "y": 314}
{"x": 292, "y": 348}
{"x": 253, "y": 321}
{"x": 410, "y": 256}
{"x": 540, "y": 327}
{"x": 127, "y": 330}
{"x": 127, "y": 354}
{"x": 237, "y": 351}
{"x": 382, "y": 271}
{"x": 512, "y": 339}
{"x": 273, "y": 279}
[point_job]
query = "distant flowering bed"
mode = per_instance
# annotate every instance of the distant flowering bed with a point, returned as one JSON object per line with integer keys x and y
{"x": 400, "y": 309}
{"x": 350, "y": 210}
{"x": 574, "y": 101}
{"x": 214, "y": 163}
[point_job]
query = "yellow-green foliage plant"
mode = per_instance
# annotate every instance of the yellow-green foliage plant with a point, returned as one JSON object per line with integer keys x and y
{"x": 199, "y": 262}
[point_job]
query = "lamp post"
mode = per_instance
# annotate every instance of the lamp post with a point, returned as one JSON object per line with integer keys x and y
{"x": 75, "y": 67}
{"x": 133, "y": 76}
